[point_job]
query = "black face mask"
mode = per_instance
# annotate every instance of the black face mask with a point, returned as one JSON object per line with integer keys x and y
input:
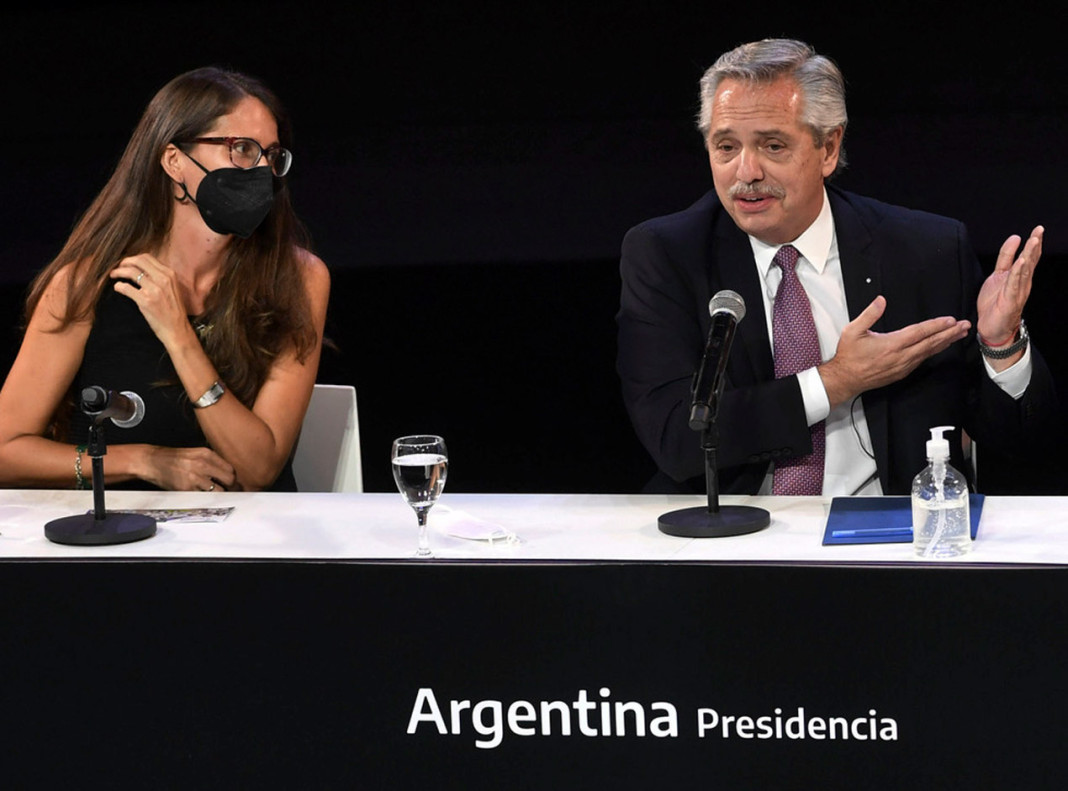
{"x": 232, "y": 200}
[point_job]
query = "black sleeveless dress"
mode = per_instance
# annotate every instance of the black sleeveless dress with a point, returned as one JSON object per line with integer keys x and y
{"x": 122, "y": 353}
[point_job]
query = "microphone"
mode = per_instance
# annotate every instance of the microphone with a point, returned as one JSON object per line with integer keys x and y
{"x": 126, "y": 409}
{"x": 101, "y": 526}
{"x": 711, "y": 521}
{"x": 727, "y": 308}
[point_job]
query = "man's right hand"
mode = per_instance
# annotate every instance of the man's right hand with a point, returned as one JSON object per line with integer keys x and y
{"x": 865, "y": 360}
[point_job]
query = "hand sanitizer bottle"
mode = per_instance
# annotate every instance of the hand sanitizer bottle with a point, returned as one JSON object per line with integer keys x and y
{"x": 941, "y": 524}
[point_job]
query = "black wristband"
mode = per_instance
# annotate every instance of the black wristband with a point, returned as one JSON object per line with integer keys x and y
{"x": 1004, "y": 352}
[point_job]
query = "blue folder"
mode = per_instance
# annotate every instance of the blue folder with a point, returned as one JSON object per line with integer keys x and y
{"x": 880, "y": 520}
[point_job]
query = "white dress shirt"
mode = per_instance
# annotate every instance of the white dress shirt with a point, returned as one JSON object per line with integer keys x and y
{"x": 849, "y": 464}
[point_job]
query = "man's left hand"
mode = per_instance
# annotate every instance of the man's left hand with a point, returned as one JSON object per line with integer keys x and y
{"x": 1004, "y": 294}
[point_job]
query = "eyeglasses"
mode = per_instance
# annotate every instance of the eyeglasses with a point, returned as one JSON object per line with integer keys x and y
{"x": 246, "y": 153}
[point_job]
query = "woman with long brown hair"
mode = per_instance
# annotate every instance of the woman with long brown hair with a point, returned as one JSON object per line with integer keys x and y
{"x": 187, "y": 281}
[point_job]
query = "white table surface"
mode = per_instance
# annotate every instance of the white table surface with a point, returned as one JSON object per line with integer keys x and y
{"x": 1013, "y": 530}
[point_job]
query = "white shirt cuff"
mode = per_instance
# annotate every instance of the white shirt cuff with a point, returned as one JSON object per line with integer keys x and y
{"x": 814, "y": 395}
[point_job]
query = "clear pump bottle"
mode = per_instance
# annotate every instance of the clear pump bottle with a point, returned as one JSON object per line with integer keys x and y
{"x": 941, "y": 523}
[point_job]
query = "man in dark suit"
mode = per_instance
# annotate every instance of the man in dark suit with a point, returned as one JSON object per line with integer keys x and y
{"x": 909, "y": 335}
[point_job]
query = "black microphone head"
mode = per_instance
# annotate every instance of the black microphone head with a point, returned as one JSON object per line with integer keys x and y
{"x": 727, "y": 301}
{"x": 94, "y": 400}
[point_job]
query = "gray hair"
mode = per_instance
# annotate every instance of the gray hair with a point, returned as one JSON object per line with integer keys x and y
{"x": 821, "y": 83}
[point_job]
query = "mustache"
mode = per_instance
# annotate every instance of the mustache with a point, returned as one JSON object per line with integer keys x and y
{"x": 744, "y": 189}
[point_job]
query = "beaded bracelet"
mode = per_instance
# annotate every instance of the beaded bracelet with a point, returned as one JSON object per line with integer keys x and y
{"x": 79, "y": 479}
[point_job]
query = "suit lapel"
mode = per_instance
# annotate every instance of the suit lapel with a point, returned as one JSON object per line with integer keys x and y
{"x": 734, "y": 267}
{"x": 861, "y": 260}
{"x": 862, "y": 274}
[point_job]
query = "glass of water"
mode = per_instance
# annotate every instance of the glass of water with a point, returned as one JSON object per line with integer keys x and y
{"x": 420, "y": 464}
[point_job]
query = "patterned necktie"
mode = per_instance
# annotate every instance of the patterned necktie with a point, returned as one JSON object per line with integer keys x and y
{"x": 797, "y": 348}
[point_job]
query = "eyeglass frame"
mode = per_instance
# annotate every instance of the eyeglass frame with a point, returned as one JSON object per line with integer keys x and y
{"x": 264, "y": 152}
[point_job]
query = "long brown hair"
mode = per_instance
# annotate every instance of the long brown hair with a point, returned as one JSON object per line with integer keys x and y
{"x": 258, "y": 309}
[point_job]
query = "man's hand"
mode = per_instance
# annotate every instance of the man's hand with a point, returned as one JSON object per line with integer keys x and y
{"x": 1004, "y": 294}
{"x": 866, "y": 360}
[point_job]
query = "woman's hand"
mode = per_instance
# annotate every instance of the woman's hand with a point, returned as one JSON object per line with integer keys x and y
{"x": 154, "y": 289}
{"x": 186, "y": 469}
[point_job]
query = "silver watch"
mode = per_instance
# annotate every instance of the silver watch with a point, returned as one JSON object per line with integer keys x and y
{"x": 215, "y": 392}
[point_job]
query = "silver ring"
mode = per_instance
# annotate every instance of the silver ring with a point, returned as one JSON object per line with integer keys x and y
{"x": 139, "y": 277}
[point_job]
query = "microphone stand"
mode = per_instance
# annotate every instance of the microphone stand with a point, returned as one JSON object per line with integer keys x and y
{"x": 99, "y": 527}
{"x": 712, "y": 521}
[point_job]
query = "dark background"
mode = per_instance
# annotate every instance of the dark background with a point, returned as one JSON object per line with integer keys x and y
{"x": 468, "y": 170}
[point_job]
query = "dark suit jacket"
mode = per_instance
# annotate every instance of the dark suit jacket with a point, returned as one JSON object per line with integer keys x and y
{"x": 925, "y": 267}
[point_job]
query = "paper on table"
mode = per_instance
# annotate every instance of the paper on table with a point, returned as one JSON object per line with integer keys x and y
{"x": 182, "y": 514}
{"x": 461, "y": 524}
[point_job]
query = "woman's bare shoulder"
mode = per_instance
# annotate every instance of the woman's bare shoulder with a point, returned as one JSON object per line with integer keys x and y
{"x": 314, "y": 270}
{"x": 312, "y": 263}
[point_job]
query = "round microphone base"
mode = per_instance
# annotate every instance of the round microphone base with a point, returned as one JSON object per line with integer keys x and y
{"x": 730, "y": 520}
{"x": 87, "y": 530}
